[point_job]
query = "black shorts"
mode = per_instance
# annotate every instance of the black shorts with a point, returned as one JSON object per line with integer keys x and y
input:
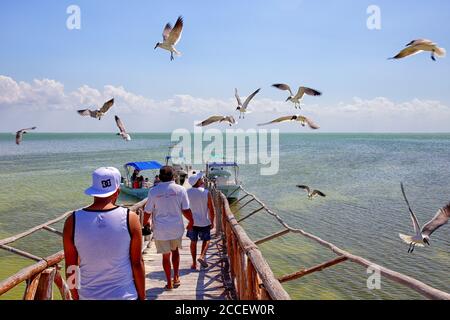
{"x": 204, "y": 233}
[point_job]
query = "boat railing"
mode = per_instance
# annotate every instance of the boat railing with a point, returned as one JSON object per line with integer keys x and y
{"x": 46, "y": 271}
{"x": 242, "y": 268}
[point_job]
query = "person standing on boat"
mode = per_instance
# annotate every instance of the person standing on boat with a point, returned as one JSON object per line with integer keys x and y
{"x": 166, "y": 205}
{"x": 102, "y": 245}
{"x": 202, "y": 208}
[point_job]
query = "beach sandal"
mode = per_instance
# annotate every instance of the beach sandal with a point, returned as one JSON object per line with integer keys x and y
{"x": 202, "y": 263}
{"x": 177, "y": 283}
{"x": 166, "y": 287}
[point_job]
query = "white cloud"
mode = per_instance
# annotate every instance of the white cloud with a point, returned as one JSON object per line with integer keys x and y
{"x": 378, "y": 114}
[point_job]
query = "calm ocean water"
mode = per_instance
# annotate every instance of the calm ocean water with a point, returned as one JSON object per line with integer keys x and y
{"x": 363, "y": 213}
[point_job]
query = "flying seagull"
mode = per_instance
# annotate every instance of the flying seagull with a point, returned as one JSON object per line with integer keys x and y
{"x": 312, "y": 193}
{"x": 242, "y": 107}
{"x": 421, "y": 45}
{"x": 171, "y": 36}
{"x": 20, "y": 133}
{"x": 214, "y": 119}
{"x": 297, "y": 99}
{"x": 422, "y": 236}
{"x": 97, "y": 114}
{"x": 303, "y": 121}
{"x": 123, "y": 132}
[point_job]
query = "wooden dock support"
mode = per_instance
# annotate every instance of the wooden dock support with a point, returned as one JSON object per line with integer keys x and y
{"x": 305, "y": 272}
{"x": 273, "y": 236}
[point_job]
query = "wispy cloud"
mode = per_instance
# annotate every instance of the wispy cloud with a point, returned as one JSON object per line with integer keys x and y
{"x": 377, "y": 114}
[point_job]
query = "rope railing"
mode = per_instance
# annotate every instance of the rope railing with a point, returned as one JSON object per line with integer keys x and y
{"x": 414, "y": 284}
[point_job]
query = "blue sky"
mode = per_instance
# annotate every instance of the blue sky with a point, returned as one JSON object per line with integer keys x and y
{"x": 248, "y": 44}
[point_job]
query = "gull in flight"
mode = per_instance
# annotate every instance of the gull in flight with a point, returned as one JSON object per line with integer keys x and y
{"x": 242, "y": 107}
{"x": 297, "y": 99}
{"x": 303, "y": 121}
{"x": 97, "y": 114}
{"x": 421, "y": 45}
{"x": 422, "y": 236}
{"x": 171, "y": 37}
{"x": 123, "y": 132}
{"x": 311, "y": 193}
{"x": 20, "y": 133}
{"x": 214, "y": 119}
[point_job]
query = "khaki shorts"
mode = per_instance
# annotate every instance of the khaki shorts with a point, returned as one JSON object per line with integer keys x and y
{"x": 167, "y": 246}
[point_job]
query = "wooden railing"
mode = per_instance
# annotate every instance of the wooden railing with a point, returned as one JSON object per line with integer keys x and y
{"x": 250, "y": 274}
{"x": 41, "y": 276}
{"x": 272, "y": 288}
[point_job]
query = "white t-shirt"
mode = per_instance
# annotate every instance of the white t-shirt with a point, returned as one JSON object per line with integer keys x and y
{"x": 198, "y": 199}
{"x": 166, "y": 202}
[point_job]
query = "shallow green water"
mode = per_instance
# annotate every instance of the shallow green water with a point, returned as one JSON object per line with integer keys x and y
{"x": 363, "y": 213}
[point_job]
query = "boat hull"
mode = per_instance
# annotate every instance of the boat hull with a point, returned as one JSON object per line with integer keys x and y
{"x": 140, "y": 194}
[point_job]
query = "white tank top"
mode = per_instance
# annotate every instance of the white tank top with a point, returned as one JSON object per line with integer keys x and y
{"x": 102, "y": 239}
{"x": 198, "y": 199}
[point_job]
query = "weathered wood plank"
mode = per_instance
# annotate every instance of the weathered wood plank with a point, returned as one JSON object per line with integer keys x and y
{"x": 304, "y": 272}
{"x": 45, "y": 287}
{"x": 201, "y": 284}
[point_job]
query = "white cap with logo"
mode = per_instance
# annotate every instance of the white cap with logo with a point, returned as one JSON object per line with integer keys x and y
{"x": 195, "y": 178}
{"x": 105, "y": 182}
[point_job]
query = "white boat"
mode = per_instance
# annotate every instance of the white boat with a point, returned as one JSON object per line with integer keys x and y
{"x": 225, "y": 181}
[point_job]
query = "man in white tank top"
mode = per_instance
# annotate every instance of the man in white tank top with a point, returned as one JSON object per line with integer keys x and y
{"x": 203, "y": 212}
{"x": 102, "y": 245}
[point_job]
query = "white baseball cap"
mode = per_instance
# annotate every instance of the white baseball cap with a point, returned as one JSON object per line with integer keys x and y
{"x": 105, "y": 182}
{"x": 194, "y": 179}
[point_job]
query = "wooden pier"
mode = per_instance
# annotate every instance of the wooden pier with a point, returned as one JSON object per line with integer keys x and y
{"x": 237, "y": 269}
{"x": 200, "y": 284}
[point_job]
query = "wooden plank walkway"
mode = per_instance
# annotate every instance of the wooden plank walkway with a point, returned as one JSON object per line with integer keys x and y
{"x": 201, "y": 284}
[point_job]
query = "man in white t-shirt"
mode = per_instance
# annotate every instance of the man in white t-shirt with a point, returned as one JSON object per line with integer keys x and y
{"x": 202, "y": 208}
{"x": 166, "y": 205}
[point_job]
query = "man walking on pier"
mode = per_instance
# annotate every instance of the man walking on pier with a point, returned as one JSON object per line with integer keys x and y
{"x": 203, "y": 212}
{"x": 166, "y": 205}
{"x": 102, "y": 245}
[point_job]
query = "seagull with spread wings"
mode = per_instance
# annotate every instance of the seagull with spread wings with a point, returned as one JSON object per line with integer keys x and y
{"x": 243, "y": 107}
{"x": 217, "y": 119}
{"x": 422, "y": 236}
{"x": 303, "y": 121}
{"x": 99, "y": 113}
{"x": 298, "y": 98}
{"x": 20, "y": 133}
{"x": 171, "y": 37}
{"x": 421, "y": 45}
{"x": 312, "y": 193}
{"x": 123, "y": 132}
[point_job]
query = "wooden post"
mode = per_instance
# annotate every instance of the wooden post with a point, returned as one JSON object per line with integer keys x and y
{"x": 32, "y": 284}
{"x": 62, "y": 286}
{"x": 45, "y": 287}
{"x": 271, "y": 237}
{"x": 251, "y": 214}
{"x": 304, "y": 272}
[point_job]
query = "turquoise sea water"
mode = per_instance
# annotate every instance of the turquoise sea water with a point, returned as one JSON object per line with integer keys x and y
{"x": 363, "y": 213}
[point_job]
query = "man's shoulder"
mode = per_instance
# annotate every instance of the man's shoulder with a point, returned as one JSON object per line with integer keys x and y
{"x": 197, "y": 190}
{"x": 177, "y": 187}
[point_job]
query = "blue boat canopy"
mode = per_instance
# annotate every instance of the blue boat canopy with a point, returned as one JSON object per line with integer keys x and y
{"x": 222, "y": 164}
{"x": 146, "y": 165}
